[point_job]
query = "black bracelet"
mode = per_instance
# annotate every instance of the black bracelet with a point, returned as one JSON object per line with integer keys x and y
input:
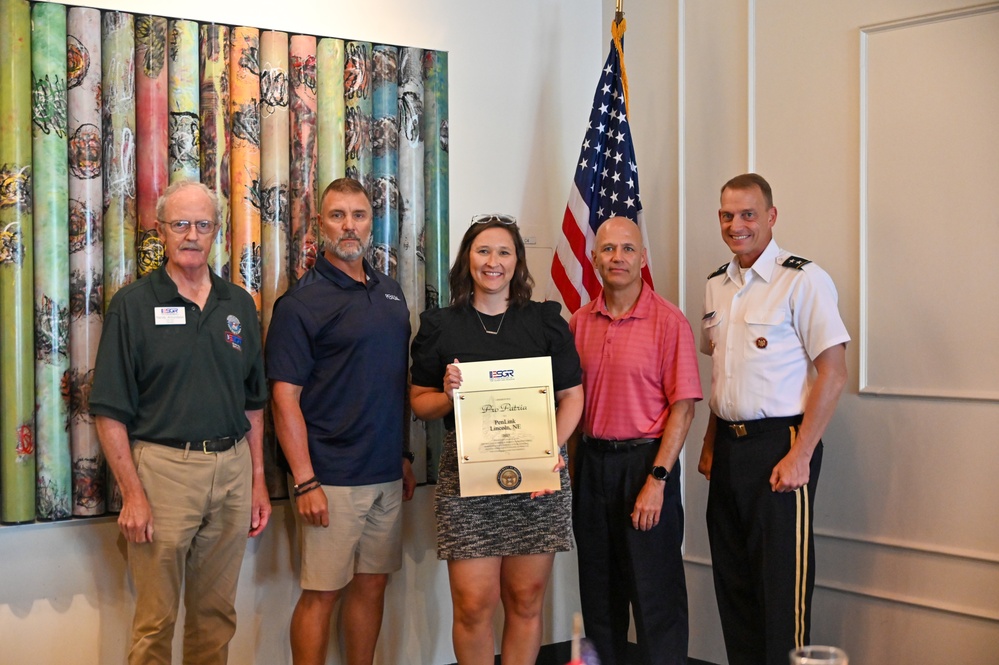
{"x": 299, "y": 491}
{"x": 311, "y": 480}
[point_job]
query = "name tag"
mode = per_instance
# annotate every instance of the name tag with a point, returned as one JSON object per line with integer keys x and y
{"x": 170, "y": 316}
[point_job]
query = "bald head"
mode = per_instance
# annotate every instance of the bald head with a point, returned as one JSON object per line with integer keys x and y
{"x": 619, "y": 255}
{"x": 619, "y": 227}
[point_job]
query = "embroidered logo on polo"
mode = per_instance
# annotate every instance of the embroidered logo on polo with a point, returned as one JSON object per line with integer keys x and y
{"x": 393, "y": 297}
{"x": 232, "y": 335}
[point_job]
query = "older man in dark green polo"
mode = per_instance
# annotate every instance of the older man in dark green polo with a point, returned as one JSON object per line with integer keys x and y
{"x": 178, "y": 394}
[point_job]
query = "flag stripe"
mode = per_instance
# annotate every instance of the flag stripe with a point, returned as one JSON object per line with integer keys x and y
{"x": 605, "y": 185}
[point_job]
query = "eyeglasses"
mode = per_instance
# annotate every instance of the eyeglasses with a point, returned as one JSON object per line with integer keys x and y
{"x": 494, "y": 217}
{"x": 183, "y": 226}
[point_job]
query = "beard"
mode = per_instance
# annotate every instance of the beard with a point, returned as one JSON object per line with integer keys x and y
{"x": 342, "y": 252}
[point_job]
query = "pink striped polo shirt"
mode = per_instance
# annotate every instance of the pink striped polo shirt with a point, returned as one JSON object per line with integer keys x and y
{"x": 634, "y": 367}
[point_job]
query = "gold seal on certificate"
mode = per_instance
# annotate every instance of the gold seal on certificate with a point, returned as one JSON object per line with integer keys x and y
{"x": 504, "y": 416}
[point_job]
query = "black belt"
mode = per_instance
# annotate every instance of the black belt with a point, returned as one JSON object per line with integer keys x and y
{"x": 741, "y": 430}
{"x": 207, "y": 446}
{"x": 609, "y": 446}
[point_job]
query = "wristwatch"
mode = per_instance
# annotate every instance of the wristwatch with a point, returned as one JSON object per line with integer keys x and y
{"x": 410, "y": 455}
{"x": 660, "y": 473}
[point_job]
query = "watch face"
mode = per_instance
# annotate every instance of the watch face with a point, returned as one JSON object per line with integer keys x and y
{"x": 660, "y": 473}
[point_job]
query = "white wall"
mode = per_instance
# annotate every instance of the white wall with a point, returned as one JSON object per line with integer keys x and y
{"x": 522, "y": 75}
{"x": 908, "y": 549}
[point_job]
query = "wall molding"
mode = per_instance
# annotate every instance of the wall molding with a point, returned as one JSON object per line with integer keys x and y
{"x": 681, "y": 154}
{"x": 894, "y": 388}
{"x": 925, "y": 19}
{"x": 895, "y": 597}
{"x": 751, "y": 87}
{"x": 911, "y": 546}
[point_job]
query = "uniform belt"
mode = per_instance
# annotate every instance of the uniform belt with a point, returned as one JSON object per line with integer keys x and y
{"x": 610, "y": 446}
{"x": 741, "y": 430}
{"x": 206, "y": 446}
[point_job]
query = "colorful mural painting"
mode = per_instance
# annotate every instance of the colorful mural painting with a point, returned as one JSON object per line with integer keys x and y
{"x": 17, "y": 353}
{"x": 100, "y": 111}
{"x": 54, "y": 494}
{"x": 86, "y": 252}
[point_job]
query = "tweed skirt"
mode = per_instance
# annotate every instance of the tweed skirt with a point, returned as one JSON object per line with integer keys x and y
{"x": 502, "y": 525}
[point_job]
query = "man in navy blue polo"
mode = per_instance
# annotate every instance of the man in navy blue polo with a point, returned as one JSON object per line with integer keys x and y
{"x": 337, "y": 356}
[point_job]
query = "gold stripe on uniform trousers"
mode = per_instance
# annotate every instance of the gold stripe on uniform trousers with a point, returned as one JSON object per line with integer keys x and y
{"x": 802, "y": 518}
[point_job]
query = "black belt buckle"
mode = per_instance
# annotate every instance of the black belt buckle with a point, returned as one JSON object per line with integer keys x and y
{"x": 213, "y": 446}
{"x": 738, "y": 429}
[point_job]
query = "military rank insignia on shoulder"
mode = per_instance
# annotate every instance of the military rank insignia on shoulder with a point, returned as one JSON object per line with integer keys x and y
{"x": 720, "y": 271}
{"x": 795, "y": 262}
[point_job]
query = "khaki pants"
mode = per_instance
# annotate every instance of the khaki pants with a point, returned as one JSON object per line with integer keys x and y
{"x": 201, "y": 507}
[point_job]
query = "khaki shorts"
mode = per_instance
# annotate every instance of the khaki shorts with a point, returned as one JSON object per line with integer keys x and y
{"x": 364, "y": 536}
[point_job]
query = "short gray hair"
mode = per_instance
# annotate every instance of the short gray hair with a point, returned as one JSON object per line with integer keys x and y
{"x": 175, "y": 187}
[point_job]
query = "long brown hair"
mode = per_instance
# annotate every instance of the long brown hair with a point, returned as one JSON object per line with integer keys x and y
{"x": 460, "y": 277}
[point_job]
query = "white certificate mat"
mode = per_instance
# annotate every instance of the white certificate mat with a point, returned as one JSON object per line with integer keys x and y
{"x": 504, "y": 416}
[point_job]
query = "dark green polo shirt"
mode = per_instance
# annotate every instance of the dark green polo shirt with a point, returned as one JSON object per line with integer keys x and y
{"x": 172, "y": 372}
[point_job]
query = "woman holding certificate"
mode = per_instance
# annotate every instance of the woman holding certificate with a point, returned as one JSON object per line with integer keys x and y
{"x": 499, "y": 547}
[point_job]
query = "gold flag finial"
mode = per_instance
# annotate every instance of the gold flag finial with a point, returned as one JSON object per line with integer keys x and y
{"x": 618, "y": 29}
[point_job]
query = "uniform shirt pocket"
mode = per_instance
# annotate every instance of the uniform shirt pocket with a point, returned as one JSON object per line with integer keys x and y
{"x": 768, "y": 329}
{"x": 711, "y": 331}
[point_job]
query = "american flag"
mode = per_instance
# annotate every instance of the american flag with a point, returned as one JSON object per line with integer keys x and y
{"x": 605, "y": 185}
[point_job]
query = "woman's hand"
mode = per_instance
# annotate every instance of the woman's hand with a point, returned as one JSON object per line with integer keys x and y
{"x": 559, "y": 465}
{"x": 452, "y": 379}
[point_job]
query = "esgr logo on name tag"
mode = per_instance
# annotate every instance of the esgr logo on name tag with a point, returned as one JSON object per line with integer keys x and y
{"x": 501, "y": 375}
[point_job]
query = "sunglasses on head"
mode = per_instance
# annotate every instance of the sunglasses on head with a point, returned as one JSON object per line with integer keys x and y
{"x": 494, "y": 217}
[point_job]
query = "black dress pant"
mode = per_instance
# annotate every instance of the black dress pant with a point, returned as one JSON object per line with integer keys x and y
{"x": 762, "y": 548}
{"x": 621, "y": 566}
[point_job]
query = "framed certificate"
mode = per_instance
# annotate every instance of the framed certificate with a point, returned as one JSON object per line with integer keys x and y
{"x": 504, "y": 416}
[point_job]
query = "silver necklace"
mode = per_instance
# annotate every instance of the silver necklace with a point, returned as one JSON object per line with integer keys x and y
{"x": 486, "y": 330}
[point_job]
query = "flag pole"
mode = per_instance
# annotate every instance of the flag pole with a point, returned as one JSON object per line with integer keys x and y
{"x": 619, "y": 14}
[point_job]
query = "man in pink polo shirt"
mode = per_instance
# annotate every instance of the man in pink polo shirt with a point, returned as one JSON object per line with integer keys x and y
{"x": 640, "y": 383}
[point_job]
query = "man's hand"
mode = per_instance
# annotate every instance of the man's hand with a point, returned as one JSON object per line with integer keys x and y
{"x": 792, "y": 471}
{"x": 707, "y": 457}
{"x": 408, "y": 480}
{"x": 260, "y": 514}
{"x": 136, "y": 519}
{"x": 313, "y": 508}
{"x": 648, "y": 505}
{"x": 708, "y": 447}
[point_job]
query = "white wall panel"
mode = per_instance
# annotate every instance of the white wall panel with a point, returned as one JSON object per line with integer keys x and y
{"x": 929, "y": 166}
